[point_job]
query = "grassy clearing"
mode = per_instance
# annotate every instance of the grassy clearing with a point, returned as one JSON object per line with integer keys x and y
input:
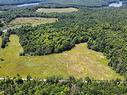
{"x": 79, "y": 62}
{"x": 57, "y": 10}
{"x": 32, "y": 21}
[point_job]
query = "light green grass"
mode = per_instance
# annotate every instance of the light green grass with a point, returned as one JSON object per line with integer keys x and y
{"x": 56, "y": 10}
{"x": 79, "y": 62}
{"x": 32, "y": 21}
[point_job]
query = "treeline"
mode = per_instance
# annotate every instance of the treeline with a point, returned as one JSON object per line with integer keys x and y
{"x": 1, "y": 32}
{"x": 5, "y": 38}
{"x": 1, "y": 24}
{"x": 59, "y": 86}
{"x": 45, "y": 40}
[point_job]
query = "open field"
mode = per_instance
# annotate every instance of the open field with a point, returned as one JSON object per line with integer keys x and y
{"x": 31, "y": 20}
{"x": 57, "y": 10}
{"x": 79, "y": 62}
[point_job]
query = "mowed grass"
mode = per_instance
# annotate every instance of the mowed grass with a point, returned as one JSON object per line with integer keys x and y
{"x": 78, "y": 62}
{"x": 32, "y": 21}
{"x": 56, "y": 10}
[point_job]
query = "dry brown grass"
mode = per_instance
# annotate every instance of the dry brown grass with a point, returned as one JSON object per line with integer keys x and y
{"x": 32, "y": 21}
{"x": 57, "y": 10}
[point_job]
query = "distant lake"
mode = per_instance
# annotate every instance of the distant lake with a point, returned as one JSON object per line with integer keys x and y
{"x": 111, "y": 4}
{"x": 116, "y": 4}
{"x": 27, "y": 4}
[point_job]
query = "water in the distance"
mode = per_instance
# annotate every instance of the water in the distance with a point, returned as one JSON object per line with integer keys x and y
{"x": 116, "y": 4}
{"x": 28, "y": 4}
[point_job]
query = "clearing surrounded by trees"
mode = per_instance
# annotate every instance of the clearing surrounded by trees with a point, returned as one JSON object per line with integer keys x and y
{"x": 57, "y": 10}
{"x": 32, "y": 21}
{"x": 78, "y": 62}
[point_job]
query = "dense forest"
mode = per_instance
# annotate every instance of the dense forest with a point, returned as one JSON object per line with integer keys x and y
{"x": 58, "y": 86}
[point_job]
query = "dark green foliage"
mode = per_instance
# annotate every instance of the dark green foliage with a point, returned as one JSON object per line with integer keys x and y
{"x": 57, "y": 86}
{"x": 1, "y": 33}
{"x": 49, "y": 40}
{"x": 5, "y": 38}
{"x": 1, "y": 24}
{"x": 1, "y": 59}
